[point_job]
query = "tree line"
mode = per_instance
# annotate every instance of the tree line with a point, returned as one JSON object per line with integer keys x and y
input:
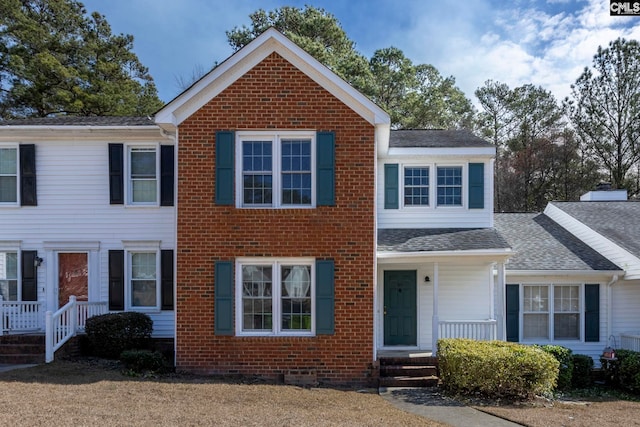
{"x": 56, "y": 59}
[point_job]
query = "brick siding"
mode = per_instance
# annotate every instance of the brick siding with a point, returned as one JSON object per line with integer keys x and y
{"x": 276, "y": 95}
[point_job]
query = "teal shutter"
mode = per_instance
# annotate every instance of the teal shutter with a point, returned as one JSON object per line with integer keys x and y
{"x": 476, "y": 185}
{"x": 326, "y": 180}
{"x": 513, "y": 313}
{"x": 223, "y": 291}
{"x": 225, "y": 147}
{"x": 391, "y": 192}
{"x": 28, "y": 196}
{"x": 592, "y": 313}
{"x": 325, "y": 297}
{"x": 29, "y": 276}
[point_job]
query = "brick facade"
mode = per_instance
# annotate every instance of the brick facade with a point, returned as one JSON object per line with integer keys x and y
{"x": 276, "y": 95}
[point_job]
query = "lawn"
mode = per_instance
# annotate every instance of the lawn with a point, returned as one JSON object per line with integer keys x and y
{"x": 67, "y": 393}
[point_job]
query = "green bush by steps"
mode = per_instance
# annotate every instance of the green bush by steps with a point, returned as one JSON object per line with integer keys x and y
{"x": 496, "y": 369}
{"x": 111, "y": 334}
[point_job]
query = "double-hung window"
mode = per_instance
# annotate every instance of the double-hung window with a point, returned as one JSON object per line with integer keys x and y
{"x": 9, "y": 276}
{"x": 276, "y": 169}
{"x": 8, "y": 175}
{"x": 551, "y": 312}
{"x": 143, "y": 175}
{"x": 275, "y": 297}
{"x": 449, "y": 191}
{"x": 143, "y": 280}
{"x": 416, "y": 186}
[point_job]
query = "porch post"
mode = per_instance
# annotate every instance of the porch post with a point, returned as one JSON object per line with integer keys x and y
{"x": 434, "y": 320}
{"x": 500, "y": 302}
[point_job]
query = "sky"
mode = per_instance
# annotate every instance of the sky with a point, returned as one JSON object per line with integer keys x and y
{"x": 546, "y": 43}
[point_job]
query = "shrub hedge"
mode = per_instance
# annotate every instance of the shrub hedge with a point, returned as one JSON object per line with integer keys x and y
{"x": 624, "y": 371}
{"x": 495, "y": 368}
{"x": 582, "y": 367}
{"x": 143, "y": 361}
{"x": 110, "y": 334}
{"x": 564, "y": 356}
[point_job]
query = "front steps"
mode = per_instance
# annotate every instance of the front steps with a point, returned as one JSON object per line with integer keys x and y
{"x": 22, "y": 349}
{"x": 408, "y": 371}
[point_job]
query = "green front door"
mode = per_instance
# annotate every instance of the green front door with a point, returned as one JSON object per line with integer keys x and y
{"x": 400, "y": 307}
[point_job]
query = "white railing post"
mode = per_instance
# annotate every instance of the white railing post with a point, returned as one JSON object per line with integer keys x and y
{"x": 73, "y": 322}
{"x": 48, "y": 326}
{"x": 2, "y": 319}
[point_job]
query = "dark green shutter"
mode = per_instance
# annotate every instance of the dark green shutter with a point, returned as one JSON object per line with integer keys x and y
{"x": 116, "y": 174}
{"x": 29, "y": 276}
{"x": 513, "y": 313}
{"x": 391, "y": 192}
{"x": 166, "y": 279}
{"x": 167, "y": 166}
{"x": 476, "y": 185}
{"x": 28, "y": 196}
{"x": 326, "y": 181}
{"x": 223, "y": 291}
{"x": 325, "y": 297}
{"x": 592, "y": 313}
{"x": 116, "y": 280}
{"x": 225, "y": 147}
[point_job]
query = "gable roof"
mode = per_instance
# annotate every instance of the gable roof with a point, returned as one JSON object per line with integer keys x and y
{"x": 435, "y": 138}
{"x": 226, "y": 73}
{"x": 617, "y": 221}
{"x": 541, "y": 244}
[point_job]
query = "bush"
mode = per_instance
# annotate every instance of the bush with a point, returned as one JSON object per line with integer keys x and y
{"x": 144, "y": 361}
{"x": 110, "y": 334}
{"x": 582, "y": 367}
{"x": 495, "y": 368}
{"x": 564, "y": 356}
{"x": 624, "y": 371}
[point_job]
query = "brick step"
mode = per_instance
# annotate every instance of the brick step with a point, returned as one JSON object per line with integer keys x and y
{"x": 21, "y": 359}
{"x": 408, "y": 371}
{"x": 22, "y": 339}
{"x": 9, "y": 349}
{"x": 404, "y": 381}
{"x": 409, "y": 361}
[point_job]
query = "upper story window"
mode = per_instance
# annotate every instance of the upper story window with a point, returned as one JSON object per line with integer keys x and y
{"x": 8, "y": 175}
{"x": 416, "y": 186}
{"x": 143, "y": 175}
{"x": 449, "y": 191}
{"x": 276, "y": 169}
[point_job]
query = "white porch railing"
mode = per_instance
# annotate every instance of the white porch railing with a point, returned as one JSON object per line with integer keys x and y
{"x": 20, "y": 316}
{"x": 67, "y": 321}
{"x": 482, "y": 330}
{"x": 630, "y": 341}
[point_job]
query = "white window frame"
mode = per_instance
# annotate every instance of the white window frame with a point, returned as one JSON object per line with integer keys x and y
{"x": 17, "y": 175}
{"x": 430, "y": 186}
{"x": 276, "y": 138}
{"x": 136, "y": 248}
{"x": 129, "y": 179}
{"x": 463, "y": 186}
{"x": 12, "y": 246}
{"x": 551, "y": 312}
{"x": 275, "y": 264}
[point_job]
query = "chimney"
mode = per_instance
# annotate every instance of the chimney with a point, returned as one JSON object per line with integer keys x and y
{"x": 604, "y": 193}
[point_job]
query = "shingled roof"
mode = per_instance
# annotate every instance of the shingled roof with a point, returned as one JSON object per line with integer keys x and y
{"x": 618, "y": 221}
{"x": 435, "y": 138}
{"x": 80, "y": 121}
{"x": 541, "y": 244}
{"x": 439, "y": 239}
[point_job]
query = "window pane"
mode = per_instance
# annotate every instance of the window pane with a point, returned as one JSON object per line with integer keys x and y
{"x": 566, "y": 326}
{"x": 566, "y": 299}
{"x": 8, "y": 161}
{"x": 450, "y": 186}
{"x": 9, "y": 276}
{"x": 536, "y": 299}
{"x": 144, "y": 182}
{"x": 258, "y": 189}
{"x": 256, "y": 298}
{"x": 8, "y": 189}
{"x": 296, "y": 297}
{"x": 144, "y": 191}
{"x": 256, "y": 169}
{"x": 296, "y": 172}
{"x": 416, "y": 186}
{"x": 535, "y": 326}
{"x": 143, "y": 279}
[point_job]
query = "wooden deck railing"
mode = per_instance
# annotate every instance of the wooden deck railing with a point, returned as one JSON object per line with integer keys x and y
{"x": 482, "y": 330}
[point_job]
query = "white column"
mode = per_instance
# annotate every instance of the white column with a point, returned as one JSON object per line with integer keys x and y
{"x": 500, "y": 302}
{"x": 434, "y": 319}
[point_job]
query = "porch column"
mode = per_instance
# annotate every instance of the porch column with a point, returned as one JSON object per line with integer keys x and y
{"x": 500, "y": 302}
{"x": 434, "y": 320}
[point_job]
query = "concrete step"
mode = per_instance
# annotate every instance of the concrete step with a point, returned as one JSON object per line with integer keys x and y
{"x": 409, "y": 361}
{"x": 405, "y": 381}
{"x": 408, "y": 370}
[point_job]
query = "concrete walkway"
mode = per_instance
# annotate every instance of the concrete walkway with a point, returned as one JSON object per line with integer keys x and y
{"x": 431, "y": 403}
{"x": 5, "y": 368}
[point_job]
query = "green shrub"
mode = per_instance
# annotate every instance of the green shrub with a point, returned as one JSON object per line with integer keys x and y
{"x": 110, "y": 334}
{"x": 495, "y": 368}
{"x": 564, "y": 356}
{"x": 629, "y": 370}
{"x": 582, "y": 367}
{"x": 144, "y": 361}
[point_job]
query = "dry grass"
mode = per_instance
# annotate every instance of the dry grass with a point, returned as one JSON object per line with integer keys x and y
{"x": 67, "y": 393}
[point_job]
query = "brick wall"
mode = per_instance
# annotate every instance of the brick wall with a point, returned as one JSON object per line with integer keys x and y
{"x": 276, "y": 95}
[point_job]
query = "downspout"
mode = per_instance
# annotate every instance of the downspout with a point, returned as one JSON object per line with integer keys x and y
{"x": 610, "y": 306}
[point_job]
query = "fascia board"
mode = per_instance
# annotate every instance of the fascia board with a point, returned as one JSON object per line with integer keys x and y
{"x": 486, "y": 152}
{"x": 92, "y": 133}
